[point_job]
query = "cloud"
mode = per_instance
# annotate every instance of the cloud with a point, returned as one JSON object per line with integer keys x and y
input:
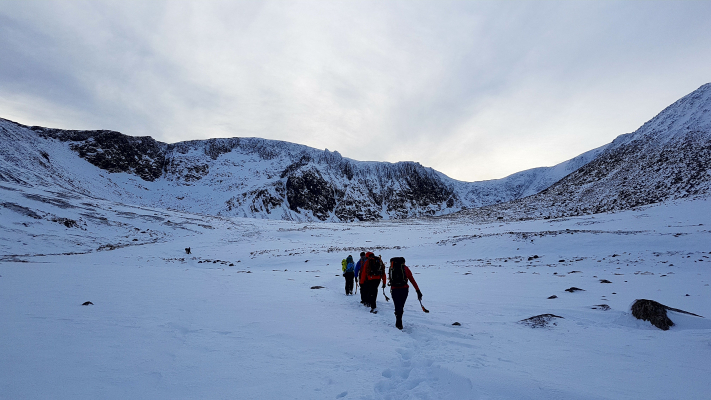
{"x": 477, "y": 90}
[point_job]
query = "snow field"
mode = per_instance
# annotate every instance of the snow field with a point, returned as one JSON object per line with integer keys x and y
{"x": 165, "y": 324}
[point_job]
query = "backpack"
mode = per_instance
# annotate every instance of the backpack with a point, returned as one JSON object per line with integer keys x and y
{"x": 375, "y": 267}
{"x": 396, "y": 273}
{"x": 350, "y": 267}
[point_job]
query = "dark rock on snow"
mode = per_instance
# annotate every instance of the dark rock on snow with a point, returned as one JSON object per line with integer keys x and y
{"x": 540, "y": 321}
{"x": 655, "y": 313}
{"x": 574, "y": 289}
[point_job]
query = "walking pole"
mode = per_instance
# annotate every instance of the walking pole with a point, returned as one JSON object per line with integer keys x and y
{"x": 386, "y": 297}
{"x": 423, "y": 307}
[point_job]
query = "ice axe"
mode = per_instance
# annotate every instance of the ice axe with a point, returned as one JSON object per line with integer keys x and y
{"x": 423, "y": 307}
{"x": 386, "y": 297}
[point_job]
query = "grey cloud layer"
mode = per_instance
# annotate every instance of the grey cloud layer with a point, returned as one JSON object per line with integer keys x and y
{"x": 475, "y": 89}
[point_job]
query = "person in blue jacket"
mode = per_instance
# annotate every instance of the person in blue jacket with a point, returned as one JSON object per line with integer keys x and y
{"x": 349, "y": 274}
{"x": 358, "y": 267}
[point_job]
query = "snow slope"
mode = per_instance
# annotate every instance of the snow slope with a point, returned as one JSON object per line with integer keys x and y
{"x": 238, "y": 318}
{"x": 249, "y": 177}
{"x": 669, "y": 157}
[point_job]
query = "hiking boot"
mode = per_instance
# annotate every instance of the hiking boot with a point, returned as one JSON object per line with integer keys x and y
{"x": 398, "y": 322}
{"x": 374, "y": 311}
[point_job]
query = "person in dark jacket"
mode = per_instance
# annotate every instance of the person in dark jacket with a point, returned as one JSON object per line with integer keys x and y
{"x": 369, "y": 281}
{"x": 358, "y": 269}
{"x": 348, "y": 273}
{"x": 399, "y": 287}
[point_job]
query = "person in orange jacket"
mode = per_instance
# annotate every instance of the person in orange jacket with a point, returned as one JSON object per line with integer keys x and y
{"x": 370, "y": 276}
{"x": 399, "y": 275}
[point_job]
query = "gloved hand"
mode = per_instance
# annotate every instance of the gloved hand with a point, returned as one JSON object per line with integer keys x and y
{"x": 383, "y": 286}
{"x": 419, "y": 295}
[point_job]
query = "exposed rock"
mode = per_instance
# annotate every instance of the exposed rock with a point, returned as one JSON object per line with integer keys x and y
{"x": 113, "y": 151}
{"x": 21, "y": 210}
{"x": 317, "y": 287}
{"x": 540, "y": 321}
{"x": 655, "y": 313}
{"x": 573, "y": 289}
{"x": 69, "y": 223}
{"x": 603, "y": 307}
{"x": 307, "y": 190}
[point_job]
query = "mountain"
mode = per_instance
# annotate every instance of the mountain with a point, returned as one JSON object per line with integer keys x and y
{"x": 249, "y": 177}
{"x": 667, "y": 158}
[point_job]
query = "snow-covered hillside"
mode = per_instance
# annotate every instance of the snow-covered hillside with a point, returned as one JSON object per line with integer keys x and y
{"x": 249, "y": 177}
{"x": 669, "y": 157}
{"x": 240, "y": 318}
{"x": 258, "y": 309}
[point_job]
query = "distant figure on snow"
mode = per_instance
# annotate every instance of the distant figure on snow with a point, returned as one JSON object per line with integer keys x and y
{"x": 348, "y": 272}
{"x": 370, "y": 276}
{"x": 399, "y": 274}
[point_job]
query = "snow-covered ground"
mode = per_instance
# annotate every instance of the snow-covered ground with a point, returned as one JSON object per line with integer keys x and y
{"x": 237, "y": 319}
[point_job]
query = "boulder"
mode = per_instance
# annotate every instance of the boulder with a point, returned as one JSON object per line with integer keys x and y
{"x": 540, "y": 321}
{"x": 655, "y": 313}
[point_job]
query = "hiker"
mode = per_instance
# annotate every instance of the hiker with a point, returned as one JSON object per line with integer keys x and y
{"x": 370, "y": 276}
{"x": 348, "y": 272}
{"x": 399, "y": 274}
{"x": 357, "y": 271}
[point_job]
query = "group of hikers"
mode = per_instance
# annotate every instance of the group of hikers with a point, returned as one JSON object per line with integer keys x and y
{"x": 369, "y": 271}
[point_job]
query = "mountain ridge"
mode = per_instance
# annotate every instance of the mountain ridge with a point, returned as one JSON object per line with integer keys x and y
{"x": 302, "y": 183}
{"x": 667, "y": 157}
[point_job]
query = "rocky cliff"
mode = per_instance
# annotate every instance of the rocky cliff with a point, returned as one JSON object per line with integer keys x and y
{"x": 248, "y": 177}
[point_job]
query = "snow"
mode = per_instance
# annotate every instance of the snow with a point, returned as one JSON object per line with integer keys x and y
{"x": 168, "y": 325}
{"x": 232, "y": 177}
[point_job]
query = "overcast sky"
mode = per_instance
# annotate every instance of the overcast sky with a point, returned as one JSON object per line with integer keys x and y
{"x": 475, "y": 89}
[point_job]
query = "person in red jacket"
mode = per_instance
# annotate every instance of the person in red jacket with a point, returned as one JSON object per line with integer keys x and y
{"x": 399, "y": 275}
{"x": 371, "y": 274}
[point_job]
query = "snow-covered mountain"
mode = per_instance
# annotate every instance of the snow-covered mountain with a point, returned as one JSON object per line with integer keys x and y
{"x": 669, "y": 157}
{"x": 249, "y": 177}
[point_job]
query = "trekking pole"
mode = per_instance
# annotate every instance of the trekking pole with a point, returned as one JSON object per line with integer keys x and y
{"x": 386, "y": 297}
{"x": 423, "y": 307}
{"x": 356, "y": 287}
